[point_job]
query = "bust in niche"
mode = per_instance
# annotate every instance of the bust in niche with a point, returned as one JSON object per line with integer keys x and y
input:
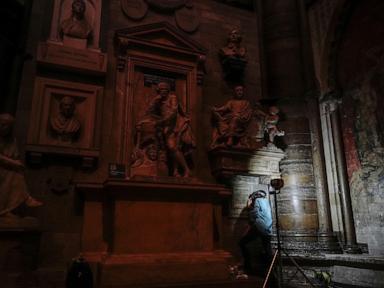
{"x": 233, "y": 57}
{"x": 76, "y": 30}
{"x": 65, "y": 126}
{"x": 233, "y": 48}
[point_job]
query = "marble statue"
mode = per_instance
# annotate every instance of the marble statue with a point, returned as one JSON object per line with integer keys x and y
{"x": 13, "y": 188}
{"x": 65, "y": 126}
{"x": 76, "y": 26}
{"x": 271, "y": 120}
{"x": 231, "y": 120}
{"x": 167, "y": 128}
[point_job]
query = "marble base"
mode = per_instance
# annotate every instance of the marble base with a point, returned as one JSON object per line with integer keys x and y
{"x": 163, "y": 268}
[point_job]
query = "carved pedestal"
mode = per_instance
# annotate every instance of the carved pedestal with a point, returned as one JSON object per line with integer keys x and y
{"x": 57, "y": 55}
{"x": 19, "y": 249}
{"x": 226, "y": 163}
{"x": 150, "y": 233}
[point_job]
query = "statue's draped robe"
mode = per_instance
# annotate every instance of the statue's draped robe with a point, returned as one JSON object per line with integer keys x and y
{"x": 233, "y": 118}
{"x": 13, "y": 189}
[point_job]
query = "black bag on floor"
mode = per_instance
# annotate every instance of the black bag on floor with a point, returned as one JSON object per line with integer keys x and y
{"x": 79, "y": 274}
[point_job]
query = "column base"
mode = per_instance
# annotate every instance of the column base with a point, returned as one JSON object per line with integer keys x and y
{"x": 308, "y": 243}
{"x": 352, "y": 249}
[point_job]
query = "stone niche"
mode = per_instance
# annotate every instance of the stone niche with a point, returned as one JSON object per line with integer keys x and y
{"x": 64, "y": 121}
{"x": 73, "y": 43}
{"x": 149, "y": 229}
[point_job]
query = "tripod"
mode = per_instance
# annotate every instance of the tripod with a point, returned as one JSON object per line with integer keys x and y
{"x": 277, "y": 184}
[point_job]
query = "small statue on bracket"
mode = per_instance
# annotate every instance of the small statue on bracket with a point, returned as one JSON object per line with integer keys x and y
{"x": 230, "y": 121}
{"x": 233, "y": 57}
{"x": 271, "y": 120}
{"x": 167, "y": 126}
{"x": 13, "y": 188}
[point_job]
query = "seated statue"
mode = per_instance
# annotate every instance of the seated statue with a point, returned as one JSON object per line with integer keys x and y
{"x": 231, "y": 120}
{"x": 77, "y": 25}
{"x": 65, "y": 126}
{"x": 13, "y": 188}
{"x": 166, "y": 125}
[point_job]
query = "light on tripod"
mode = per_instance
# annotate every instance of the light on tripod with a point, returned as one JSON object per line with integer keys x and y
{"x": 277, "y": 183}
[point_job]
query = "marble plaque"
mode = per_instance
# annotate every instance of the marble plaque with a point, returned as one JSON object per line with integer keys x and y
{"x": 187, "y": 19}
{"x": 134, "y": 9}
{"x": 72, "y": 58}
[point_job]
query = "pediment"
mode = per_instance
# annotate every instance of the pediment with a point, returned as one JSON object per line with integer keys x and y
{"x": 161, "y": 34}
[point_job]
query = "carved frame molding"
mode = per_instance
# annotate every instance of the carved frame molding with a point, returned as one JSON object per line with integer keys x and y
{"x": 159, "y": 47}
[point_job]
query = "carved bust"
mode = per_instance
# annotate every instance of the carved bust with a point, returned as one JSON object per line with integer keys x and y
{"x": 76, "y": 26}
{"x": 233, "y": 48}
{"x": 65, "y": 126}
{"x": 233, "y": 58}
{"x": 231, "y": 120}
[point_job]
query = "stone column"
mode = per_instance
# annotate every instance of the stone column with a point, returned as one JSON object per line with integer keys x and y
{"x": 290, "y": 79}
{"x": 350, "y": 245}
{"x": 327, "y": 239}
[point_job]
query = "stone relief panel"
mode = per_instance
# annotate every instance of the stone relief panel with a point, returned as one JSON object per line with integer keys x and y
{"x": 164, "y": 140}
{"x": 158, "y": 90}
{"x": 64, "y": 117}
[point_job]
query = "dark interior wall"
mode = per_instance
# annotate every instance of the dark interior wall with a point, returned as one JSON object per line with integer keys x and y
{"x": 360, "y": 74}
{"x": 53, "y": 182}
{"x": 348, "y": 53}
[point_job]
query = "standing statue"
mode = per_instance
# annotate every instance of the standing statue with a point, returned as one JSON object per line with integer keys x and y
{"x": 65, "y": 126}
{"x": 271, "y": 120}
{"x": 13, "y": 188}
{"x": 231, "y": 120}
{"x": 167, "y": 127}
{"x": 76, "y": 26}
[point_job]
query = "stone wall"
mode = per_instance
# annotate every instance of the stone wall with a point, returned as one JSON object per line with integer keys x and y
{"x": 53, "y": 182}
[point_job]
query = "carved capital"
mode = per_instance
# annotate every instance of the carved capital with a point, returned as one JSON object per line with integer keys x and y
{"x": 331, "y": 100}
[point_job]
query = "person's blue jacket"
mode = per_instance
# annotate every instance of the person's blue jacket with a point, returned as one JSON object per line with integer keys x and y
{"x": 260, "y": 215}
